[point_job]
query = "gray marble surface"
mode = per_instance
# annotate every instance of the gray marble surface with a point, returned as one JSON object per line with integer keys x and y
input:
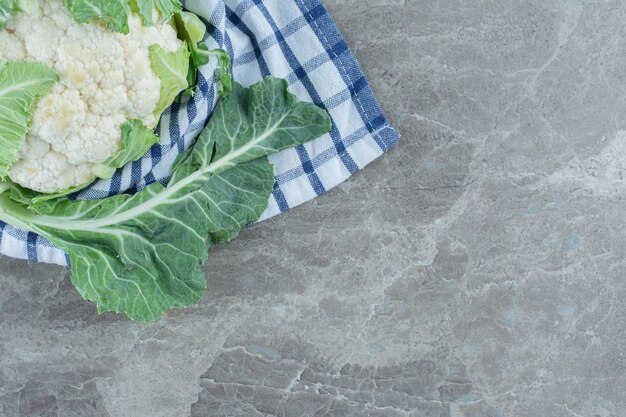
{"x": 477, "y": 270}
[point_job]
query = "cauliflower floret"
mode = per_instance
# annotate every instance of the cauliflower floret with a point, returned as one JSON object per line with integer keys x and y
{"x": 109, "y": 100}
{"x": 34, "y": 148}
{"x": 97, "y": 141}
{"x": 39, "y": 38}
{"x": 55, "y": 10}
{"x": 60, "y": 115}
{"x": 106, "y": 78}
{"x": 11, "y": 47}
{"x": 50, "y": 173}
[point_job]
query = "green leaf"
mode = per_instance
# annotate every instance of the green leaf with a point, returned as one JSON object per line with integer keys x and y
{"x": 194, "y": 29}
{"x": 113, "y": 13}
{"x": 7, "y": 9}
{"x": 166, "y": 9}
{"x": 17, "y": 192}
{"x": 26, "y": 5}
{"x": 191, "y": 30}
{"x": 172, "y": 69}
{"x": 136, "y": 140}
{"x": 223, "y": 72}
{"x": 273, "y": 120}
{"x": 22, "y": 84}
{"x": 142, "y": 254}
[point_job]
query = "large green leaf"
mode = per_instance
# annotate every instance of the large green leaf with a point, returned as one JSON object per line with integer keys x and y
{"x": 22, "y": 84}
{"x": 165, "y": 8}
{"x": 113, "y": 13}
{"x": 172, "y": 69}
{"x": 142, "y": 254}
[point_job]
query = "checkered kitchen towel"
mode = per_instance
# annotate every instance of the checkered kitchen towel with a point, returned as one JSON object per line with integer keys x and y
{"x": 292, "y": 39}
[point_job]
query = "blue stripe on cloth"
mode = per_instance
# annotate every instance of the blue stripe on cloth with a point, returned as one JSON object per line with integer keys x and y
{"x": 286, "y": 32}
{"x": 208, "y": 91}
{"x": 136, "y": 173}
{"x": 316, "y": 62}
{"x": 213, "y": 32}
{"x": 155, "y": 154}
{"x": 307, "y": 166}
{"x": 345, "y": 61}
{"x": 150, "y": 179}
{"x": 228, "y": 44}
{"x": 321, "y": 158}
{"x": 244, "y": 58}
{"x": 174, "y": 128}
{"x": 116, "y": 183}
{"x": 303, "y": 77}
{"x": 203, "y": 85}
{"x": 243, "y": 6}
{"x": 280, "y": 198}
{"x": 239, "y": 24}
{"x": 192, "y": 111}
{"x": 31, "y": 246}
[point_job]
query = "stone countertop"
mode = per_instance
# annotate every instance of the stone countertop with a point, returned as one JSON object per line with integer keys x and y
{"x": 476, "y": 270}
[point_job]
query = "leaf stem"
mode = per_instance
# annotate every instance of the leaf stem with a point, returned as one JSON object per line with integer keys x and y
{"x": 4, "y": 186}
{"x": 14, "y": 213}
{"x": 221, "y": 165}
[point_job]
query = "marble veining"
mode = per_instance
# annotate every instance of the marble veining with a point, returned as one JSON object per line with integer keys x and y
{"x": 477, "y": 270}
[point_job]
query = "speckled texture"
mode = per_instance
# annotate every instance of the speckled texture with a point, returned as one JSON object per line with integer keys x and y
{"x": 477, "y": 270}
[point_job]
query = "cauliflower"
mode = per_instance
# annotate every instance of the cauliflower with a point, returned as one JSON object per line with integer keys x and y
{"x": 106, "y": 79}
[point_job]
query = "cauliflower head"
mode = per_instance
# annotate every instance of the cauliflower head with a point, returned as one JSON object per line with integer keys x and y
{"x": 111, "y": 89}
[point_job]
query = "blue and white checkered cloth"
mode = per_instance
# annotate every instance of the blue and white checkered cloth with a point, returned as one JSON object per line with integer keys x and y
{"x": 292, "y": 39}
